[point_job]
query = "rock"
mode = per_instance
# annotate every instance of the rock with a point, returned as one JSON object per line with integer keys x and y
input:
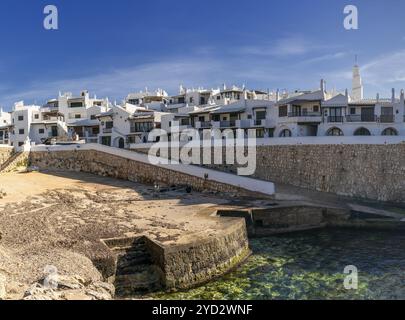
{"x": 98, "y": 295}
{"x": 75, "y": 295}
{"x": 71, "y": 288}
{"x": 38, "y": 292}
{"x": 3, "y": 292}
{"x": 71, "y": 282}
{"x": 108, "y": 287}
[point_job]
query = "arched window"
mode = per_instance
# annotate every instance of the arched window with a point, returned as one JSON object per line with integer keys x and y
{"x": 334, "y": 132}
{"x": 285, "y": 133}
{"x": 390, "y": 132}
{"x": 362, "y": 132}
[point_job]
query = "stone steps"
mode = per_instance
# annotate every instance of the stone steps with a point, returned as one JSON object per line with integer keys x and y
{"x": 13, "y": 162}
{"x": 135, "y": 271}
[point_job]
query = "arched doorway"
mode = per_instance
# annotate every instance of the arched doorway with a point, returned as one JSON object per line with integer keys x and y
{"x": 334, "y": 132}
{"x": 362, "y": 132}
{"x": 389, "y": 132}
{"x": 121, "y": 143}
{"x": 285, "y": 133}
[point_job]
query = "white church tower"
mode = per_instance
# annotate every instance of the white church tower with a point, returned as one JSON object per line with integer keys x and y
{"x": 357, "y": 85}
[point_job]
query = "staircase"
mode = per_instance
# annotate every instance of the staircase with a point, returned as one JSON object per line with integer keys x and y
{"x": 135, "y": 273}
{"x": 18, "y": 159}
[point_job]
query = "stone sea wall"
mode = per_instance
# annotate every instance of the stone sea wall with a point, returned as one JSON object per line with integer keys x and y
{"x": 192, "y": 264}
{"x": 365, "y": 171}
{"x": 371, "y": 171}
{"x": 104, "y": 164}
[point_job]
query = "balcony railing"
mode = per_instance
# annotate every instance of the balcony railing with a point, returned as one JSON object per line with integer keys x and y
{"x": 107, "y": 130}
{"x": 304, "y": 114}
{"x": 227, "y": 124}
{"x": 334, "y": 119}
{"x": 387, "y": 118}
{"x": 361, "y": 118}
{"x": 204, "y": 124}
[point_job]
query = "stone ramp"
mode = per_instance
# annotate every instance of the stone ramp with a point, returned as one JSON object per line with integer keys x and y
{"x": 124, "y": 164}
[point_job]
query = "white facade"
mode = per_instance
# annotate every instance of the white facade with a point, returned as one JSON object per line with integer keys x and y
{"x": 5, "y": 127}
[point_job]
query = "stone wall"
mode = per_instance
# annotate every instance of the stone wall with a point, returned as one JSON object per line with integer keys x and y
{"x": 371, "y": 171}
{"x": 192, "y": 264}
{"x": 5, "y": 154}
{"x": 104, "y": 164}
{"x": 365, "y": 171}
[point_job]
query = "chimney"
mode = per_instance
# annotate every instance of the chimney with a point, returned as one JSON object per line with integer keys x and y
{"x": 322, "y": 85}
{"x": 393, "y": 95}
{"x": 323, "y": 89}
{"x": 278, "y": 95}
{"x": 402, "y": 96}
{"x": 378, "y": 97}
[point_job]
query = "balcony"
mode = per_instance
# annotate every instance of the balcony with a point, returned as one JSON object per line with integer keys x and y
{"x": 302, "y": 117}
{"x": 387, "y": 118}
{"x": 244, "y": 124}
{"x": 361, "y": 118}
{"x": 227, "y": 124}
{"x": 203, "y": 124}
{"x": 304, "y": 114}
{"x": 335, "y": 119}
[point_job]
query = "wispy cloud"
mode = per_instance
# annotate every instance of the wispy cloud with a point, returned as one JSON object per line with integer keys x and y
{"x": 284, "y": 47}
{"x": 386, "y": 69}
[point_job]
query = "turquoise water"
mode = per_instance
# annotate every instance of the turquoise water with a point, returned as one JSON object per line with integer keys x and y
{"x": 310, "y": 265}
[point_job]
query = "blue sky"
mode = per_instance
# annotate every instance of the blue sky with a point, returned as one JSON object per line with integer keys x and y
{"x": 115, "y": 47}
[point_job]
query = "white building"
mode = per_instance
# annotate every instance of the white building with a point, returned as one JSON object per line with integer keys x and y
{"x": 80, "y": 114}
{"x": 154, "y": 100}
{"x": 300, "y": 115}
{"x": 5, "y": 127}
{"x": 190, "y": 98}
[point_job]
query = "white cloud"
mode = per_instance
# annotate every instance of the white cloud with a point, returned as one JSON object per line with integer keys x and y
{"x": 386, "y": 69}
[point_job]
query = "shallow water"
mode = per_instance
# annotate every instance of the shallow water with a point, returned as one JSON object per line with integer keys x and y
{"x": 310, "y": 265}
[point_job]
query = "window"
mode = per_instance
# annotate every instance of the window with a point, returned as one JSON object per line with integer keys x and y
{"x": 316, "y": 108}
{"x": 285, "y": 133}
{"x": 20, "y": 118}
{"x": 20, "y": 144}
{"x": 218, "y": 97}
{"x": 36, "y": 116}
{"x": 352, "y": 111}
{"x": 93, "y": 117}
{"x": 41, "y": 131}
{"x": 76, "y": 105}
{"x": 21, "y": 131}
{"x": 191, "y": 100}
{"x": 260, "y": 115}
{"x": 78, "y": 116}
{"x": 282, "y": 111}
{"x": 390, "y": 132}
{"x": 334, "y": 132}
{"x": 109, "y": 125}
{"x": 201, "y": 119}
{"x": 260, "y": 133}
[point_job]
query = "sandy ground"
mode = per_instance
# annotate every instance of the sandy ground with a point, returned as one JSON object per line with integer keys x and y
{"x": 59, "y": 218}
